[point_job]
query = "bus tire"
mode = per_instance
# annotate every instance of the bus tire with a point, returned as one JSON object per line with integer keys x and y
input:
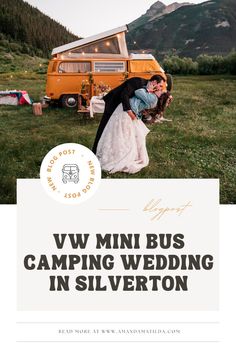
{"x": 69, "y": 101}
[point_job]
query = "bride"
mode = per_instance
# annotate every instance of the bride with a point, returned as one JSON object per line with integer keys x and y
{"x": 122, "y": 146}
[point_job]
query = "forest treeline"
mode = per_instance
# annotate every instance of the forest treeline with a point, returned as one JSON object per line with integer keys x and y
{"x": 35, "y": 33}
{"x": 202, "y": 65}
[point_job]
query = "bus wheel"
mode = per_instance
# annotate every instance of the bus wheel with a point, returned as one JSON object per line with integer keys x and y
{"x": 169, "y": 82}
{"x": 69, "y": 101}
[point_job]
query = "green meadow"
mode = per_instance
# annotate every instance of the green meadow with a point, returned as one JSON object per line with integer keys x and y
{"x": 200, "y": 142}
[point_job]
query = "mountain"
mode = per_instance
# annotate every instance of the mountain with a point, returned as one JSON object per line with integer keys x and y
{"x": 206, "y": 28}
{"x": 29, "y": 30}
{"x": 157, "y": 10}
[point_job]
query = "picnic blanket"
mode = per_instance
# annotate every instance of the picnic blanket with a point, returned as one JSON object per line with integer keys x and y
{"x": 15, "y": 97}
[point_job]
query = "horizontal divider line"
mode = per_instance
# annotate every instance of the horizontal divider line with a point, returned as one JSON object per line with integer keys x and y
{"x": 113, "y": 209}
{"x": 169, "y": 322}
{"x": 118, "y": 341}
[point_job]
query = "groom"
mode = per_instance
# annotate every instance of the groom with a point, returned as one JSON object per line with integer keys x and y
{"x": 122, "y": 94}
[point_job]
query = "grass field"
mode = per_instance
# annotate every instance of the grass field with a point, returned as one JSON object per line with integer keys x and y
{"x": 200, "y": 142}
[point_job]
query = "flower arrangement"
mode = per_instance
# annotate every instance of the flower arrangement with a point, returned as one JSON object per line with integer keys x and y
{"x": 126, "y": 75}
{"x": 84, "y": 86}
{"x": 91, "y": 80}
{"x": 102, "y": 89}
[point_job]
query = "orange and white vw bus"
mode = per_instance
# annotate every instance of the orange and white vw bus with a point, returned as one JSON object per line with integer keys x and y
{"x": 94, "y": 65}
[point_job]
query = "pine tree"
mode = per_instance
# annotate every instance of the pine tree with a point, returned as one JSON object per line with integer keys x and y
{"x": 23, "y": 23}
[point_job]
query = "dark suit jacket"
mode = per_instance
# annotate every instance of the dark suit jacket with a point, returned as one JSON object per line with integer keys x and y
{"x": 120, "y": 94}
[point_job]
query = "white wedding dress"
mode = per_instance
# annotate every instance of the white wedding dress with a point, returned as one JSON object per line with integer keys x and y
{"x": 122, "y": 146}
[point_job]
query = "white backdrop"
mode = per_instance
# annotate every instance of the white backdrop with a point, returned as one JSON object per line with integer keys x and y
{"x": 227, "y": 299}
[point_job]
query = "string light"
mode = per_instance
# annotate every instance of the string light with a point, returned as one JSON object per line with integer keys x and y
{"x": 107, "y": 44}
{"x": 96, "y": 50}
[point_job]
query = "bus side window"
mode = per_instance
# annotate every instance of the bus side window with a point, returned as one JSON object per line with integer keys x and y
{"x": 74, "y": 67}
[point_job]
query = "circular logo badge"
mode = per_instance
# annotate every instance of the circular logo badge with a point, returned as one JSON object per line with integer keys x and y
{"x": 70, "y": 173}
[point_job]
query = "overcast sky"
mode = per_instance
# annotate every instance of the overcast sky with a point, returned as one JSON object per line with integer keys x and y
{"x": 88, "y": 17}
